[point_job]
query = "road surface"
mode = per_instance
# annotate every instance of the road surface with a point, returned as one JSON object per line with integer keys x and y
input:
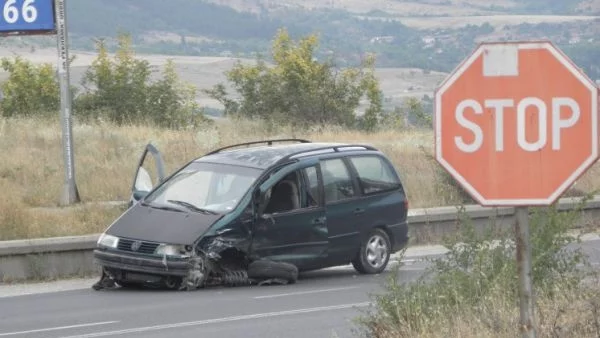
{"x": 322, "y": 304}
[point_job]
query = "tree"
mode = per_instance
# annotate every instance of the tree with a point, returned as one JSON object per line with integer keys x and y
{"x": 121, "y": 89}
{"x": 30, "y": 89}
{"x": 300, "y": 90}
{"x": 416, "y": 112}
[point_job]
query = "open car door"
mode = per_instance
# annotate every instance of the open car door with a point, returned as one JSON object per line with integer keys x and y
{"x": 150, "y": 172}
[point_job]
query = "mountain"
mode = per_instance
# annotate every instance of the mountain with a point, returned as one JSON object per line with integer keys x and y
{"x": 434, "y": 35}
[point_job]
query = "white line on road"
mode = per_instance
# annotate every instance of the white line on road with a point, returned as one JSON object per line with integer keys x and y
{"x": 219, "y": 320}
{"x": 306, "y": 292}
{"x": 56, "y": 328}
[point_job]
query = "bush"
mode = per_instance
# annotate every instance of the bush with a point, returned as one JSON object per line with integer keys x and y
{"x": 30, "y": 90}
{"x": 121, "y": 90}
{"x": 473, "y": 290}
{"x": 299, "y": 90}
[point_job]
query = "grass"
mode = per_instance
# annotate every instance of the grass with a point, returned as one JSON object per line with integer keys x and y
{"x": 496, "y": 21}
{"x": 473, "y": 290}
{"x": 31, "y": 167}
{"x": 570, "y": 314}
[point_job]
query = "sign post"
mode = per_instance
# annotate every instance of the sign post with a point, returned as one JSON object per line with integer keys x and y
{"x": 516, "y": 124}
{"x": 527, "y": 319}
{"x": 41, "y": 17}
{"x": 70, "y": 192}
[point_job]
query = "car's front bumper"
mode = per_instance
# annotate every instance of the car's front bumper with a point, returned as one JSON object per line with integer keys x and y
{"x": 126, "y": 262}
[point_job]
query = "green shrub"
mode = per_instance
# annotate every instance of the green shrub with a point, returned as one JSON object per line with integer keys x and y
{"x": 298, "y": 89}
{"x": 473, "y": 289}
{"x": 120, "y": 89}
{"x": 30, "y": 90}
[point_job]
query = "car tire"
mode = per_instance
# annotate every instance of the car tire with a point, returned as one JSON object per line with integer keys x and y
{"x": 265, "y": 269}
{"x": 374, "y": 253}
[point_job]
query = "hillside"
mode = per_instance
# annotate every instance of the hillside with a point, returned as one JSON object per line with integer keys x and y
{"x": 398, "y": 31}
{"x": 418, "y": 7}
{"x": 426, "y": 35}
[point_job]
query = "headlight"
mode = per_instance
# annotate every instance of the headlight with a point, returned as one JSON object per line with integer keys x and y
{"x": 172, "y": 250}
{"x": 109, "y": 241}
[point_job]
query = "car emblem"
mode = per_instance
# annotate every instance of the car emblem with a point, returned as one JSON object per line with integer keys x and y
{"x": 136, "y": 245}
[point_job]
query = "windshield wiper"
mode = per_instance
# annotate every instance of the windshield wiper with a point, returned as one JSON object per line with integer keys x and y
{"x": 161, "y": 207}
{"x": 192, "y": 207}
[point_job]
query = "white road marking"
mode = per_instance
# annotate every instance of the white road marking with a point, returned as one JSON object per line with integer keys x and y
{"x": 219, "y": 320}
{"x": 56, "y": 328}
{"x": 306, "y": 292}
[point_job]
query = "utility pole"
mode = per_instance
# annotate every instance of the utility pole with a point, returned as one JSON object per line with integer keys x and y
{"x": 70, "y": 193}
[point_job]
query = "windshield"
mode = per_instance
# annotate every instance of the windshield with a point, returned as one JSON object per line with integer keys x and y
{"x": 205, "y": 187}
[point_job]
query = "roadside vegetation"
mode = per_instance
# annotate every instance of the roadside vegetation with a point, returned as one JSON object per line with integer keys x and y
{"x": 125, "y": 104}
{"x": 473, "y": 290}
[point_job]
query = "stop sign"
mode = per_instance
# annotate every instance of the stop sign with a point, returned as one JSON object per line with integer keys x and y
{"x": 516, "y": 123}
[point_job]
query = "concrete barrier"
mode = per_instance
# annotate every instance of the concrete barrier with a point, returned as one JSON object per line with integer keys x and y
{"x": 50, "y": 258}
{"x": 431, "y": 224}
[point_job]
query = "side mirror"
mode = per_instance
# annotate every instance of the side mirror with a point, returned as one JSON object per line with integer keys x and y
{"x": 139, "y": 194}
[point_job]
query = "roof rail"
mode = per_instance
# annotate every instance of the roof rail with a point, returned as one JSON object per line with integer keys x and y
{"x": 267, "y": 142}
{"x": 331, "y": 148}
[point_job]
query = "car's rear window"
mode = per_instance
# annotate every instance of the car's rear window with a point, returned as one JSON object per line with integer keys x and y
{"x": 374, "y": 173}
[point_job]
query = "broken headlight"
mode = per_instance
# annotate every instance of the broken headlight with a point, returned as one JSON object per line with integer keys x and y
{"x": 173, "y": 250}
{"x": 108, "y": 241}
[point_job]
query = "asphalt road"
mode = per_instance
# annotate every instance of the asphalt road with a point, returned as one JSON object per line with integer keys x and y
{"x": 322, "y": 304}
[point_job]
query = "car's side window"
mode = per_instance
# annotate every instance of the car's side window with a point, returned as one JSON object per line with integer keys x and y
{"x": 374, "y": 174}
{"x": 336, "y": 180}
{"x": 297, "y": 190}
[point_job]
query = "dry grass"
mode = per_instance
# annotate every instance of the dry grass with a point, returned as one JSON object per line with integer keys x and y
{"x": 400, "y": 8}
{"x": 572, "y": 314}
{"x": 31, "y": 166}
{"x": 496, "y": 21}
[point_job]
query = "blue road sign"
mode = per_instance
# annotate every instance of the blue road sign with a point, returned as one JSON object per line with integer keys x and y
{"x": 23, "y": 16}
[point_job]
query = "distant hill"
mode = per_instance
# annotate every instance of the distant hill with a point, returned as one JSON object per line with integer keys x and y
{"x": 427, "y": 34}
{"x": 420, "y": 7}
{"x": 222, "y": 20}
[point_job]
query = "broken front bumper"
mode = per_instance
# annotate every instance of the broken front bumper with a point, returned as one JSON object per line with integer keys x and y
{"x": 144, "y": 264}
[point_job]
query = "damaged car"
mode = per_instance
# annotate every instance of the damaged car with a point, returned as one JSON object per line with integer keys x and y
{"x": 258, "y": 212}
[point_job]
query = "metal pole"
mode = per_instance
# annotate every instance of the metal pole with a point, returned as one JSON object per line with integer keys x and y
{"x": 527, "y": 322}
{"x": 70, "y": 193}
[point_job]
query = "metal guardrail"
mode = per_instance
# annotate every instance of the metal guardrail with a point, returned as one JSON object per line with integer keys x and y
{"x": 67, "y": 256}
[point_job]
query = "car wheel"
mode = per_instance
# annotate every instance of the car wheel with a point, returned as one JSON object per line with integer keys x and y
{"x": 374, "y": 253}
{"x": 265, "y": 269}
{"x": 172, "y": 283}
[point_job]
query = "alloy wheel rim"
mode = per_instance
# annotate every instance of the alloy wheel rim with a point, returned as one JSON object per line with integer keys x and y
{"x": 376, "y": 251}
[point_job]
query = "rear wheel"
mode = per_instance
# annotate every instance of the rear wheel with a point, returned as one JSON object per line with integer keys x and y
{"x": 374, "y": 253}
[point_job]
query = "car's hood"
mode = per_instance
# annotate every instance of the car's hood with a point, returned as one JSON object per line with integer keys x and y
{"x": 163, "y": 226}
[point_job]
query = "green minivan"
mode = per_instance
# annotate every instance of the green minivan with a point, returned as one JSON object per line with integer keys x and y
{"x": 241, "y": 212}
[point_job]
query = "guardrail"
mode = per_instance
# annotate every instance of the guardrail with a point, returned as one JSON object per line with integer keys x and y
{"x": 49, "y": 258}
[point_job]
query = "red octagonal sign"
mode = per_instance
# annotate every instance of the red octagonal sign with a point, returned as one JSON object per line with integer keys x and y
{"x": 516, "y": 123}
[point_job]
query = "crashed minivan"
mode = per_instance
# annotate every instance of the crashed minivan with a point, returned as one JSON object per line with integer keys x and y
{"x": 256, "y": 212}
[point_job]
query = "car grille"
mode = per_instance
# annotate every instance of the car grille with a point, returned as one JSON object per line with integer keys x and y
{"x": 144, "y": 247}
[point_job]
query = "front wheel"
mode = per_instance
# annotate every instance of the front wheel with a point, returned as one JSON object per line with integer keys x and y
{"x": 374, "y": 253}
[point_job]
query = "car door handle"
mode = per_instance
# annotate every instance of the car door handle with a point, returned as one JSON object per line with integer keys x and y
{"x": 320, "y": 220}
{"x": 359, "y": 211}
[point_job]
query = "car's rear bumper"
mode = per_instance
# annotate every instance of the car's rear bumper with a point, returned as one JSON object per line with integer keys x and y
{"x": 399, "y": 236}
{"x": 135, "y": 263}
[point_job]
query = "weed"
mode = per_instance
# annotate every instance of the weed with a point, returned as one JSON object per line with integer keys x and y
{"x": 472, "y": 290}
